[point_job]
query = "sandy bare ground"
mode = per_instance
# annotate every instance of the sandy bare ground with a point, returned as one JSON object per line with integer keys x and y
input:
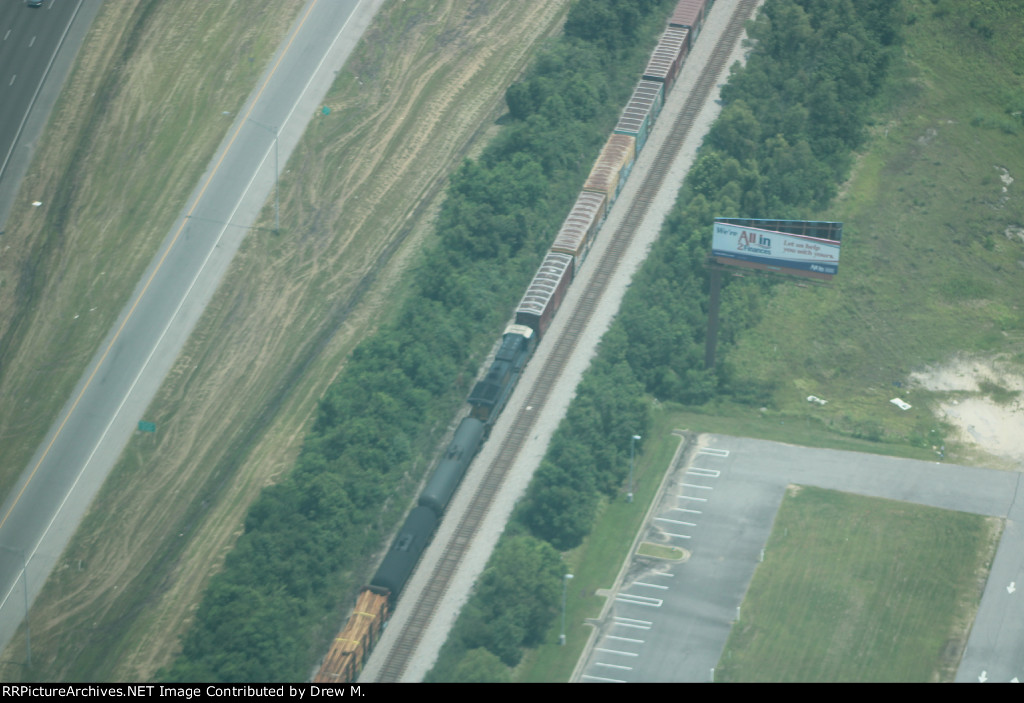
{"x": 356, "y": 196}
{"x": 983, "y": 399}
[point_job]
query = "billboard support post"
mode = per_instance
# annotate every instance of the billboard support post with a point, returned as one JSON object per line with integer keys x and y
{"x": 712, "y": 334}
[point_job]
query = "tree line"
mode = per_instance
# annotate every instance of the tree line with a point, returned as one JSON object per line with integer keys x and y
{"x": 792, "y": 117}
{"x": 309, "y": 541}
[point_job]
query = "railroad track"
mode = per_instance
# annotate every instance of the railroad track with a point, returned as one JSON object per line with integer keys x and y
{"x": 403, "y": 648}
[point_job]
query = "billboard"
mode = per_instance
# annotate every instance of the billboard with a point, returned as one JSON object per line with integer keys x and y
{"x": 798, "y": 247}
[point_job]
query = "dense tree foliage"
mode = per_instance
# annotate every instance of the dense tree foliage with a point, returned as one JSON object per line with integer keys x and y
{"x": 308, "y": 542}
{"x": 790, "y": 120}
{"x": 783, "y": 142}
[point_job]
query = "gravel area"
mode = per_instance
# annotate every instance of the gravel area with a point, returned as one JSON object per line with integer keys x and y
{"x": 552, "y": 413}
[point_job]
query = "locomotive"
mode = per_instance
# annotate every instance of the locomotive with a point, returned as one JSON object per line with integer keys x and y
{"x": 533, "y": 317}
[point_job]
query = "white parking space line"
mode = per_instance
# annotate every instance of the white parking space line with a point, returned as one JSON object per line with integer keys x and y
{"x": 650, "y": 585}
{"x": 689, "y": 510}
{"x": 639, "y": 600}
{"x": 616, "y": 651}
{"x": 675, "y": 534}
{"x": 601, "y": 678}
{"x": 622, "y": 621}
{"x": 624, "y": 639}
{"x": 710, "y": 473}
{"x": 714, "y": 452}
{"x": 614, "y": 666}
{"x": 676, "y": 522}
{"x": 697, "y": 485}
{"x": 702, "y": 500}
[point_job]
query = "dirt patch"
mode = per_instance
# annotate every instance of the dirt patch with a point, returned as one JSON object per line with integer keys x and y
{"x": 984, "y": 401}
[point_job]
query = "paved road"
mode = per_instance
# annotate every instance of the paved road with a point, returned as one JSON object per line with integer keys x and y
{"x": 43, "y": 511}
{"x": 671, "y": 623}
{"x": 37, "y": 49}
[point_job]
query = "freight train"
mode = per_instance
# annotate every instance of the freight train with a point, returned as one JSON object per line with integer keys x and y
{"x": 533, "y": 317}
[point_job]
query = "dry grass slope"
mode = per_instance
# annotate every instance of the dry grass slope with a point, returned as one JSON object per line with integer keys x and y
{"x": 428, "y": 77}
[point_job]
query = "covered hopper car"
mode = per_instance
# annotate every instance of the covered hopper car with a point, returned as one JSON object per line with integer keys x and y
{"x": 533, "y": 317}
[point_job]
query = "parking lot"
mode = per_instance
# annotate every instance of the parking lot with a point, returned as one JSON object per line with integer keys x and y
{"x": 669, "y": 620}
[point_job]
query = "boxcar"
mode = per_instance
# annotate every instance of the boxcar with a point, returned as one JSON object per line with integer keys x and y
{"x": 538, "y": 306}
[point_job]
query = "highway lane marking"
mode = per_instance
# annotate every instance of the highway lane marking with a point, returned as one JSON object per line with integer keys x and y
{"x": 32, "y": 102}
{"x": 170, "y": 247}
{"x": 160, "y": 263}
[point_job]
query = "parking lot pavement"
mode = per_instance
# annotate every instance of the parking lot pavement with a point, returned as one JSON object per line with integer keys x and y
{"x": 669, "y": 620}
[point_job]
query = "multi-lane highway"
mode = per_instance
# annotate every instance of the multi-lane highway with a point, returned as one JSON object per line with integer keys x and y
{"x": 87, "y": 438}
{"x": 37, "y": 48}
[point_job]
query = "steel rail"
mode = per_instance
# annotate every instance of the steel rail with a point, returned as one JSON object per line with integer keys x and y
{"x": 405, "y": 646}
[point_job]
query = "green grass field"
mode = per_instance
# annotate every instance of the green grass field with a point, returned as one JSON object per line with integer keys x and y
{"x": 931, "y": 268}
{"x": 860, "y": 589}
{"x": 930, "y": 265}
